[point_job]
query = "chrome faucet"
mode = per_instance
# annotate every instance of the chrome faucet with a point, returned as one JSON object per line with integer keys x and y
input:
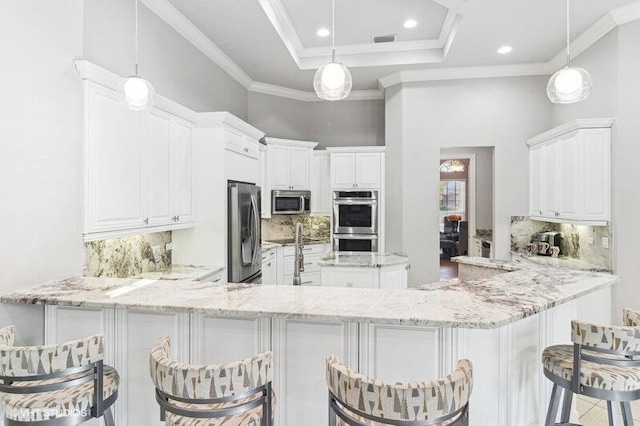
{"x": 299, "y": 257}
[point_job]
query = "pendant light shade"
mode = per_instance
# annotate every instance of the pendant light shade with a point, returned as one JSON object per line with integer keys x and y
{"x": 333, "y": 81}
{"x": 569, "y": 85}
{"x": 136, "y": 93}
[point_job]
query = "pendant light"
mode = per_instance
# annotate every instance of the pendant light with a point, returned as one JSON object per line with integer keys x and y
{"x": 569, "y": 85}
{"x": 332, "y": 81}
{"x": 136, "y": 93}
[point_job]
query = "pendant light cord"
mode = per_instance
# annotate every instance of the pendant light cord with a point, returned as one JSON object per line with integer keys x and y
{"x": 568, "y": 35}
{"x": 333, "y": 32}
{"x": 136, "y": 36}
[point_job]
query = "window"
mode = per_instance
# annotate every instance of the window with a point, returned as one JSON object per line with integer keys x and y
{"x": 453, "y": 197}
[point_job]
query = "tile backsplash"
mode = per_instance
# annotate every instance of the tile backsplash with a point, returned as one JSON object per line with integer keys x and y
{"x": 128, "y": 256}
{"x": 575, "y": 239}
{"x": 281, "y": 227}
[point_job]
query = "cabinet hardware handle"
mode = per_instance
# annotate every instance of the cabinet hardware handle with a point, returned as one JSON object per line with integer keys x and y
{"x": 178, "y": 218}
{"x": 146, "y": 220}
{"x": 307, "y": 282}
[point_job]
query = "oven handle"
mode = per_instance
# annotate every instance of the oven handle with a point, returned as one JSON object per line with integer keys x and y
{"x": 301, "y": 204}
{"x": 355, "y": 236}
{"x": 355, "y": 202}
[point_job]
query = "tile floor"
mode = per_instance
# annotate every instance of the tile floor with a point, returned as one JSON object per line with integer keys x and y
{"x": 593, "y": 412}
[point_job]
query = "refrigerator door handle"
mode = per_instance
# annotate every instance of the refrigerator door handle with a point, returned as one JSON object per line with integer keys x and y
{"x": 256, "y": 218}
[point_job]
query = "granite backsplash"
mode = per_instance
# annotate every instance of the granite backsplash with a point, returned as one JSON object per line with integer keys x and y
{"x": 281, "y": 227}
{"x": 127, "y": 256}
{"x": 575, "y": 240}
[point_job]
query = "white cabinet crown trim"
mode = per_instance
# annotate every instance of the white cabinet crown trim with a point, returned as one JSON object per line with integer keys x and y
{"x": 217, "y": 119}
{"x": 290, "y": 142}
{"x": 585, "y": 123}
{"x": 355, "y": 149}
{"x": 92, "y": 72}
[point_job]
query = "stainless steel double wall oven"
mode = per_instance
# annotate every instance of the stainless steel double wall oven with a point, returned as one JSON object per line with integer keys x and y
{"x": 355, "y": 221}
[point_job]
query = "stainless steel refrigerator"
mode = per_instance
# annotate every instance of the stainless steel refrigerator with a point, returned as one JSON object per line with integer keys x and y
{"x": 245, "y": 256}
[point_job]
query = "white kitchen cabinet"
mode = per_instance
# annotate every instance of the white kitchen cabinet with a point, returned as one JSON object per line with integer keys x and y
{"x": 138, "y": 168}
{"x": 361, "y": 168}
{"x": 289, "y": 164}
{"x": 269, "y": 267}
{"x": 321, "y": 201}
{"x": 570, "y": 173}
{"x": 265, "y": 203}
{"x": 311, "y": 274}
{"x": 385, "y": 277}
{"x": 241, "y": 143}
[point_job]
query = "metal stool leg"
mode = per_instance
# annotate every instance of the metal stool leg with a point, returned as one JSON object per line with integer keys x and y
{"x": 566, "y": 406}
{"x": 554, "y": 402}
{"x": 610, "y": 413}
{"x": 625, "y": 407}
{"x": 108, "y": 417}
{"x": 332, "y": 414}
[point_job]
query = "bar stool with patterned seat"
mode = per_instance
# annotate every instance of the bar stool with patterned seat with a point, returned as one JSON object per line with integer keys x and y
{"x": 603, "y": 363}
{"x": 233, "y": 394}
{"x": 358, "y": 400}
{"x": 55, "y": 385}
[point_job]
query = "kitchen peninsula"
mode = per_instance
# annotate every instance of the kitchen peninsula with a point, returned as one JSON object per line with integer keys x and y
{"x": 364, "y": 270}
{"x": 501, "y": 323}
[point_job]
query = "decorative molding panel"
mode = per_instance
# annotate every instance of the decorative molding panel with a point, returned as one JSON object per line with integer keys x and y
{"x": 585, "y": 123}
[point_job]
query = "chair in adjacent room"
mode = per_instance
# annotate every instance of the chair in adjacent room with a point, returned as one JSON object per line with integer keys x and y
{"x": 56, "y": 385}
{"x": 233, "y": 394}
{"x": 358, "y": 400}
{"x": 602, "y": 363}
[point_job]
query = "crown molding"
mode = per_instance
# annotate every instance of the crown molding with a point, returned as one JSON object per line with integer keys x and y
{"x": 290, "y": 142}
{"x": 301, "y": 95}
{"x": 356, "y": 148}
{"x": 92, "y": 72}
{"x": 587, "y": 123}
{"x": 176, "y": 20}
{"x": 440, "y": 74}
{"x": 626, "y": 14}
{"x": 217, "y": 119}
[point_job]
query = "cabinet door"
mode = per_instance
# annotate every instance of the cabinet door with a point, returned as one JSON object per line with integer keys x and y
{"x": 343, "y": 171}
{"x": 182, "y": 171}
{"x": 551, "y": 178}
{"x": 278, "y": 159}
{"x": 321, "y": 185}
{"x": 596, "y": 175}
{"x": 265, "y": 196}
{"x": 300, "y": 163}
{"x": 270, "y": 271}
{"x": 536, "y": 180}
{"x": 568, "y": 186}
{"x": 113, "y": 163}
{"x": 158, "y": 147}
{"x": 367, "y": 170}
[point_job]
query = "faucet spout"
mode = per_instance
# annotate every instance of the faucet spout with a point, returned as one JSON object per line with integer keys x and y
{"x": 299, "y": 256}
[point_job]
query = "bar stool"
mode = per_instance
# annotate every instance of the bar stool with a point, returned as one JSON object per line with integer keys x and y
{"x": 603, "y": 363}
{"x": 236, "y": 393}
{"x": 63, "y": 384}
{"x": 358, "y": 400}
{"x": 631, "y": 318}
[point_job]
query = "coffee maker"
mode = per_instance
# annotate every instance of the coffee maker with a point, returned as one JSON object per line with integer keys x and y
{"x": 546, "y": 240}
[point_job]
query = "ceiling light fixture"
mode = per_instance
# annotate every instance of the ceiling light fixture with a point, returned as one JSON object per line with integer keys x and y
{"x": 569, "y": 85}
{"x": 410, "y": 23}
{"x": 134, "y": 92}
{"x": 323, "y": 32}
{"x": 505, "y": 50}
{"x": 332, "y": 81}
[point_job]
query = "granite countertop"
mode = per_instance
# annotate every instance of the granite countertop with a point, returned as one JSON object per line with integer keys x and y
{"x": 363, "y": 260}
{"x": 267, "y": 245}
{"x": 485, "y": 303}
{"x": 484, "y": 234}
{"x": 182, "y": 272}
{"x": 485, "y": 262}
{"x": 558, "y": 262}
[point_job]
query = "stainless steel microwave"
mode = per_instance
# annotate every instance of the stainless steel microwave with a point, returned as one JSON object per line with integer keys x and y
{"x": 290, "y": 202}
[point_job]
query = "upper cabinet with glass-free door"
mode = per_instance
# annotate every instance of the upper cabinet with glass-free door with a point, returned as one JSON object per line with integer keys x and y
{"x": 570, "y": 173}
{"x": 357, "y": 168}
{"x": 289, "y": 164}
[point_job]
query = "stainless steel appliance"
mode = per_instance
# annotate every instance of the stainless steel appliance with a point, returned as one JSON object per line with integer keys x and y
{"x": 244, "y": 234}
{"x": 290, "y": 202}
{"x": 355, "y": 212}
{"x": 355, "y": 242}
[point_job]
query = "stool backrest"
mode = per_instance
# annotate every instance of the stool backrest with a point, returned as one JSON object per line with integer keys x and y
{"x": 606, "y": 345}
{"x": 631, "y": 318}
{"x": 207, "y": 381}
{"x": 31, "y": 361}
{"x": 426, "y": 402}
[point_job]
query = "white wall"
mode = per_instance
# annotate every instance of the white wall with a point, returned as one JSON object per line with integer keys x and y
{"x": 176, "y": 69}
{"x": 346, "y": 123}
{"x": 500, "y": 112}
{"x": 40, "y": 152}
{"x": 484, "y": 182}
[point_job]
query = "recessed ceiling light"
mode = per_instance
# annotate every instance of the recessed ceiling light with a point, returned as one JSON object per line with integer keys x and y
{"x": 410, "y": 23}
{"x": 505, "y": 50}
{"x": 323, "y": 32}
